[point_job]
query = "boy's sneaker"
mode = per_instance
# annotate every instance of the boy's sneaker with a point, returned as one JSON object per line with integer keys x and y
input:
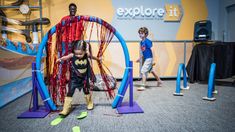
{"x": 159, "y": 83}
{"x": 142, "y": 88}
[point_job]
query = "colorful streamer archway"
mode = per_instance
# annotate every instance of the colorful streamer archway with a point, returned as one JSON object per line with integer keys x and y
{"x": 46, "y": 97}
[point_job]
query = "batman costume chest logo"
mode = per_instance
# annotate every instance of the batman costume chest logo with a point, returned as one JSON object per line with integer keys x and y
{"x": 80, "y": 65}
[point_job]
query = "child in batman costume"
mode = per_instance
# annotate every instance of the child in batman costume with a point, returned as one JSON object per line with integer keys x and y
{"x": 80, "y": 74}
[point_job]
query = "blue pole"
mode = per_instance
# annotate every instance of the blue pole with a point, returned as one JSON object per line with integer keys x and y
{"x": 185, "y": 77}
{"x": 122, "y": 88}
{"x": 211, "y": 84}
{"x": 46, "y": 97}
{"x": 35, "y": 93}
{"x": 131, "y": 84}
{"x": 41, "y": 93}
{"x": 177, "y": 91}
{"x": 178, "y": 78}
{"x": 131, "y": 106}
{"x": 121, "y": 96}
{"x": 211, "y": 81}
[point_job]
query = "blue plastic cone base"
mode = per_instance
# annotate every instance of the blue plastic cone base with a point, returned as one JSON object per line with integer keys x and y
{"x": 209, "y": 99}
{"x": 178, "y": 94}
{"x": 215, "y": 92}
{"x": 184, "y": 88}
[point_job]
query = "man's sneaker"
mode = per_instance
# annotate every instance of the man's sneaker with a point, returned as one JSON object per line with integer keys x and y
{"x": 142, "y": 88}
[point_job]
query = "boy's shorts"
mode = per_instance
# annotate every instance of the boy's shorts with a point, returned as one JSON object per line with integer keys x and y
{"x": 147, "y": 66}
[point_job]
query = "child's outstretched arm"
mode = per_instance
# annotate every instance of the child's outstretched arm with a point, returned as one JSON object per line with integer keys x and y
{"x": 67, "y": 57}
{"x": 138, "y": 60}
{"x": 95, "y": 58}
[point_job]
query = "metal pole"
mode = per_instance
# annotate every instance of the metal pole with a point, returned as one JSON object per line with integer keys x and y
{"x": 35, "y": 7}
{"x": 40, "y": 7}
{"x": 184, "y": 53}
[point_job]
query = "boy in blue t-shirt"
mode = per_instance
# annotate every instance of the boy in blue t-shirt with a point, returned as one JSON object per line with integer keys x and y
{"x": 145, "y": 46}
